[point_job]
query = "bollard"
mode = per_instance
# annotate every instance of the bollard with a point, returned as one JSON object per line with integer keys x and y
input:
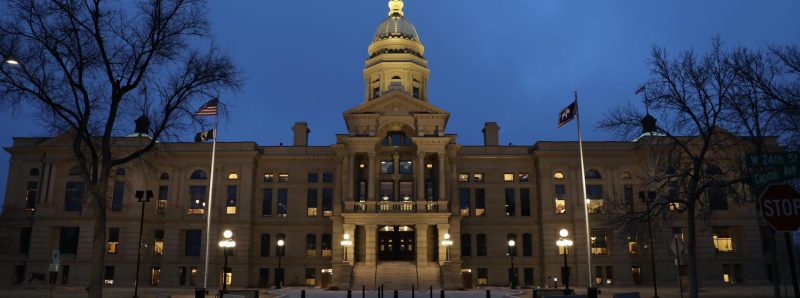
{"x": 395, "y": 293}
{"x": 441, "y": 294}
{"x": 592, "y": 292}
{"x": 363, "y": 291}
{"x": 381, "y": 293}
{"x": 412, "y": 290}
{"x": 488, "y": 294}
{"x": 303, "y": 294}
{"x": 349, "y": 293}
{"x": 431, "y": 291}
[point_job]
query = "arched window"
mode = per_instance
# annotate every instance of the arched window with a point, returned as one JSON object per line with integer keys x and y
{"x": 199, "y": 175}
{"x": 233, "y": 176}
{"x": 593, "y": 174}
{"x": 558, "y": 175}
{"x": 164, "y": 176}
{"x": 626, "y": 175}
{"x": 34, "y": 172}
{"x": 74, "y": 171}
{"x": 120, "y": 172}
{"x": 396, "y": 83}
{"x": 396, "y": 138}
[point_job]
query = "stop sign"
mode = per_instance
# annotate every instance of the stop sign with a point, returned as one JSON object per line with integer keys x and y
{"x": 780, "y": 207}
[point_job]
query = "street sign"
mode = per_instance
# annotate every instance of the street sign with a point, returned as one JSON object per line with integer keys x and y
{"x": 765, "y": 176}
{"x": 780, "y": 207}
{"x": 773, "y": 159}
{"x": 55, "y": 259}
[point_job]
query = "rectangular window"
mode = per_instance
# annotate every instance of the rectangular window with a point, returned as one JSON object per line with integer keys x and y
{"x": 723, "y": 239}
{"x": 415, "y": 91}
{"x": 311, "y": 276}
{"x": 511, "y": 208}
{"x": 193, "y": 276}
{"x": 264, "y": 251}
{"x": 24, "y": 240}
{"x": 311, "y": 245}
{"x": 527, "y": 245}
{"x": 477, "y": 177}
{"x": 64, "y": 274}
{"x": 599, "y": 242}
{"x": 406, "y": 167}
{"x": 197, "y": 199}
{"x": 73, "y": 196}
{"x": 483, "y": 277}
{"x": 311, "y": 202}
{"x": 463, "y": 198}
{"x": 192, "y": 243}
{"x": 376, "y": 92}
{"x": 118, "y": 196}
{"x": 327, "y": 177}
{"x": 480, "y": 202}
{"x": 560, "y": 199}
{"x": 113, "y": 241}
{"x": 633, "y": 245}
{"x": 466, "y": 245}
{"x": 387, "y": 190}
{"x": 523, "y": 177}
{"x": 594, "y": 194}
{"x": 155, "y": 275}
{"x": 636, "y": 273}
{"x": 528, "y": 276}
{"x": 68, "y": 240}
{"x": 405, "y": 190}
{"x": 158, "y": 244}
{"x": 609, "y": 275}
{"x": 266, "y": 202}
{"x": 362, "y": 191}
{"x": 627, "y": 194}
{"x": 19, "y": 274}
{"x": 525, "y": 201}
{"x": 327, "y": 202}
{"x": 263, "y": 277}
{"x": 463, "y": 177}
{"x": 31, "y": 195}
{"x": 283, "y": 177}
{"x": 313, "y": 177}
{"x": 283, "y": 201}
{"x": 269, "y": 177}
{"x": 163, "y": 194}
{"x": 230, "y": 204}
{"x": 326, "y": 244}
{"x": 182, "y": 276}
{"x": 677, "y": 232}
{"x": 108, "y": 275}
{"x": 508, "y": 177}
{"x": 480, "y": 241}
{"x": 387, "y": 167}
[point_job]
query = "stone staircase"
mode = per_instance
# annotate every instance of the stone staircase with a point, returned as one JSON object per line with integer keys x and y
{"x": 429, "y": 275}
{"x": 363, "y": 275}
{"x": 397, "y": 275}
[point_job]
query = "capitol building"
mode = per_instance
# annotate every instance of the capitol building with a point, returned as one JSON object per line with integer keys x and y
{"x": 396, "y": 201}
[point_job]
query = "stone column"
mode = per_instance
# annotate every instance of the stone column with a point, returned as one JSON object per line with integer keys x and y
{"x": 443, "y": 228}
{"x": 350, "y": 175}
{"x": 442, "y": 190}
{"x": 420, "y": 170}
{"x": 421, "y": 232}
{"x": 370, "y": 244}
{"x": 396, "y": 160}
{"x": 337, "y": 185}
{"x": 371, "y": 183}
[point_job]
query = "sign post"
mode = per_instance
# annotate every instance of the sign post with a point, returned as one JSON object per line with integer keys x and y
{"x": 780, "y": 207}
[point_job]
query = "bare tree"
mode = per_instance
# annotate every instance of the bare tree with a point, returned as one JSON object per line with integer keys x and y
{"x": 87, "y": 64}
{"x": 692, "y": 160}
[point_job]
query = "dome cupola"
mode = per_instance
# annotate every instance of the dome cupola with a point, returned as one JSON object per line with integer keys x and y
{"x": 395, "y": 25}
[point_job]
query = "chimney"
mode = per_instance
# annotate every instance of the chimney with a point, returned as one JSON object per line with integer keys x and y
{"x": 300, "y": 133}
{"x": 491, "y": 134}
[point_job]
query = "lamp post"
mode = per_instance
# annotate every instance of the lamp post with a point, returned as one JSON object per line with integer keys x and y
{"x": 447, "y": 242}
{"x": 143, "y": 197}
{"x": 512, "y": 275}
{"x": 226, "y": 243}
{"x": 564, "y": 243}
{"x": 346, "y": 242}
{"x": 279, "y": 275}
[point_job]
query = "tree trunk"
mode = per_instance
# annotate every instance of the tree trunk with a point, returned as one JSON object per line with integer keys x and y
{"x": 97, "y": 202}
{"x": 693, "y": 280}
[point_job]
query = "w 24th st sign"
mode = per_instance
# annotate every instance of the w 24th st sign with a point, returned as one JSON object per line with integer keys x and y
{"x": 780, "y": 207}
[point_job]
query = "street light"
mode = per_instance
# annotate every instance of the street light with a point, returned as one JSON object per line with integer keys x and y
{"x": 512, "y": 275}
{"x": 447, "y": 242}
{"x": 346, "y": 242}
{"x": 564, "y": 243}
{"x": 226, "y": 243}
{"x": 143, "y": 197}
{"x": 280, "y": 270}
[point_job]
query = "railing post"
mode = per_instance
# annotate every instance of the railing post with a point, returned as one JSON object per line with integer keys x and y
{"x": 412, "y": 290}
{"x": 431, "y": 291}
{"x": 363, "y": 291}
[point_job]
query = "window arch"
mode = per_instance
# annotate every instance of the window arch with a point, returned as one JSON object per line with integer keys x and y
{"x": 593, "y": 174}
{"x": 164, "y": 176}
{"x": 74, "y": 171}
{"x": 199, "y": 175}
{"x": 232, "y": 175}
{"x": 120, "y": 172}
{"x": 396, "y": 138}
{"x": 558, "y": 175}
{"x": 626, "y": 175}
{"x": 34, "y": 172}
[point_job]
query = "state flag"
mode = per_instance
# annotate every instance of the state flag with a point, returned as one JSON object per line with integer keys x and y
{"x": 568, "y": 113}
{"x": 204, "y": 136}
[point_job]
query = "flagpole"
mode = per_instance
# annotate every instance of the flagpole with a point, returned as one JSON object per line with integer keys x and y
{"x": 585, "y": 199}
{"x": 210, "y": 198}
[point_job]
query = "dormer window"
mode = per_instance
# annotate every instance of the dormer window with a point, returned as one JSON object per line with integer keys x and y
{"x": 396, "y": 139}
{"x": 415, "y": 92}
{"x": 376, "y": 92}
{"x": 396, "y": 83}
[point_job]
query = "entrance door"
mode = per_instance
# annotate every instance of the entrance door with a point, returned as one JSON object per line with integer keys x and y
{"x": 396, "y": 243}
{"x": 466, "y": 278}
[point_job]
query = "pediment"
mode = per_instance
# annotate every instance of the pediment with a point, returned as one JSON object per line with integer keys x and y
{"x": 396, "y": 103}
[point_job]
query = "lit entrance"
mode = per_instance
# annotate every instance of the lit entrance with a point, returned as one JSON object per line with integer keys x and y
{"x": 396, "y": 243}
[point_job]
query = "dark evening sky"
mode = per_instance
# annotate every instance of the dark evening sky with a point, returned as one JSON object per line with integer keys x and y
{"x": 516, "y": 62}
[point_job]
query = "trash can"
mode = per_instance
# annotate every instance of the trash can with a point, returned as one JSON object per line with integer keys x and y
{"x": 200, "y": 293}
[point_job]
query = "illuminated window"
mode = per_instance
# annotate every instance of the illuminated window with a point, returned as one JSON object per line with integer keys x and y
{"x": 477, "y": 177}
{"x": 326, "y": 245}
{"x": 230, "y": 204}
{"x": 387, "y": 167}
{"x": 406, "y": 167}
{"x": 108, "y": 275}
{"x": 228, "y": 276}
{"x": 463, "y": 177}
{"x": 158, "y": 244}
{"x": 599, "y": 242}
{"x": 636, "y": 273}
{"x": 594, "y": 194}
{"x": 463, "y": 201}
{"x": 558, "y": 175}
{"x": 269, "y": 177}
{"x": 283, "y": 177}
{"x": 311, "y": 202}
{"x": 193, "y": 276}
{"x": 161, "y": 205}
{"x": 113, "y": 241}
{"x": 155, "y": 275}
{"x": 723, "y": 239}
{"x": 405, "y": 189}
{"x": 633, "y": 245}
{"x": 311, "y": 276}
{"x": 626, "y": 175}
{"x": 726, "y": 273}
{"x": 387, "y": 190}
{"x": 560, "y": 199}
{"x": 676, "y": 206}
{"x": 327, "y": 202}
{"x": 483, "y": 277}
{"x": 480, "y": 202}
{"x": 197, "y": 199}
{"x": 508, "y": 177}
{"x": 283, "y": 201}
{"x": 523, "y": 177}
{"x": 233, "y": 176}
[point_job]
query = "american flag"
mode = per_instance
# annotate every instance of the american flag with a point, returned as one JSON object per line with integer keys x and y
{"x": 208, "y": 109}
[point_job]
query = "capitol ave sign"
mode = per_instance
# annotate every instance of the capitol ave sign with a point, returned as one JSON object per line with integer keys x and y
{"x": 780, "y": 207}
